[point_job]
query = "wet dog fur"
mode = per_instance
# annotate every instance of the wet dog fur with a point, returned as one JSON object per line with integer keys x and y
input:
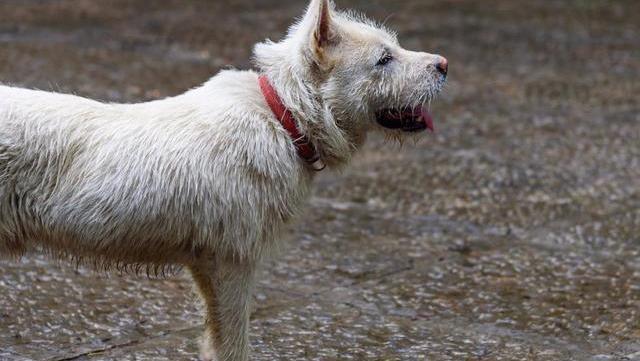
{"x": 208, "y": 179}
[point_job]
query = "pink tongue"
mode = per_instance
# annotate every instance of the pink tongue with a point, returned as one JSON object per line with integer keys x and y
{"x": 426, "y": 117}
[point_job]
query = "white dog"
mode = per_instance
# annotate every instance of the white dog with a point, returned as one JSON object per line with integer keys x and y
{"x": 206, "y": 179}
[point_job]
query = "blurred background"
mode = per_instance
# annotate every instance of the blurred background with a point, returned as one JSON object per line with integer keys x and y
{"x": 513, "y": 233}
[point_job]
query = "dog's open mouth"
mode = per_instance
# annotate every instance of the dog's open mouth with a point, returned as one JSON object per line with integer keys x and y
{"x": 406, "y": 119}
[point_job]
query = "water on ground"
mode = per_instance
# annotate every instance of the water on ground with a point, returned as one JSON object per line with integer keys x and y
{"x": 513, "y": 233}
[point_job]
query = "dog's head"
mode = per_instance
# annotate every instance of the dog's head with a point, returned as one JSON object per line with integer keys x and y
{"x": 343, "y": 75}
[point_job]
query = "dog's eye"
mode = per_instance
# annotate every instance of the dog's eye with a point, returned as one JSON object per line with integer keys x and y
{"x": 386, "y": 59}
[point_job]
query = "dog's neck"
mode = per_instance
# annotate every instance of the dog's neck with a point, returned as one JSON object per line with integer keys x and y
{"x": 306, "y": 150}
{"x": 297, "y": 87}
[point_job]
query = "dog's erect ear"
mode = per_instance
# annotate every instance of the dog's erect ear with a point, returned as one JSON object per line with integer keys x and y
{"x": 323, "y": 33}
{"x": 320, "y": 15}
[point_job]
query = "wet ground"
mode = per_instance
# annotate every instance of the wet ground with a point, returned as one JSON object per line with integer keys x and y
{"x": 512, "y": 234}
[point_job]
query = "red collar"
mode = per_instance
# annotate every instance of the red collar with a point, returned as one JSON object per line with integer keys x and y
{"x": 305, "y": 149}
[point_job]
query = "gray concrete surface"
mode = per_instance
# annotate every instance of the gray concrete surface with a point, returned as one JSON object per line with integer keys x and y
{"x": 511, "y": 234}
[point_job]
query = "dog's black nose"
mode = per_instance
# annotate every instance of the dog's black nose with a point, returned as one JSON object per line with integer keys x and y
{"x": 443, "y": 66}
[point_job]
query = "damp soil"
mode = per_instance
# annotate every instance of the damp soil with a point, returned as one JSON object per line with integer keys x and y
{"x": 513, "y": 233}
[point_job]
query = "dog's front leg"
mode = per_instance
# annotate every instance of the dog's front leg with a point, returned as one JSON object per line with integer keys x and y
{"x": 226, "y": 288}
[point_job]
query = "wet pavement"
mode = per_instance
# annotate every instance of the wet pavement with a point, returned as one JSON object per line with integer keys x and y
{"x": 511, "y": 234}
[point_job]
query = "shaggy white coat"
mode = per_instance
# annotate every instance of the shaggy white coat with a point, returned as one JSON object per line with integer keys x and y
{"x": 207, "y": 179}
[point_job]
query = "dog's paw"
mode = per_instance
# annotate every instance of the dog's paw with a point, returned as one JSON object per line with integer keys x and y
{"x": 207, "y": 352}
{"x": 208, "y": 355}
